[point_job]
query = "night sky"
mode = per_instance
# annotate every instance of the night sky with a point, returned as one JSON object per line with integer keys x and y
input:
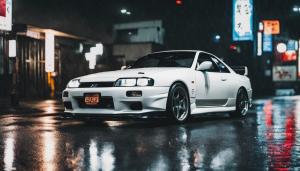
{"x": 189, "y": 26}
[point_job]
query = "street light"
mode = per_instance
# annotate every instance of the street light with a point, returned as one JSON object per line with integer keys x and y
{"x": 296, "y": 9}
{"x": 217, "y": 38}
{"x": 124, "y": 11}
{"x": 178, "y": 2}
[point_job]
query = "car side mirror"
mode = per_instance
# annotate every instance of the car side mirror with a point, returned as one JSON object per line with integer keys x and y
{"x": 204, "y": 66}
{"x": 126, "y": 67}
{"x": 123, "y": 67}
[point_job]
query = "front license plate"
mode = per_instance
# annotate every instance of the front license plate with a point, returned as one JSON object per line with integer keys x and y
{"x": 92, "y": 98}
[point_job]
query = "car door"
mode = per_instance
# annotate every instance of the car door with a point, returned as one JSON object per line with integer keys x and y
{"x": 212, "y": 86}
{"x": 229, "y": 80}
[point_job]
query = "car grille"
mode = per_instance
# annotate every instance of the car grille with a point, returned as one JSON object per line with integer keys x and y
{"x": 105, "y": 103}
{"x": 96, "y": 84}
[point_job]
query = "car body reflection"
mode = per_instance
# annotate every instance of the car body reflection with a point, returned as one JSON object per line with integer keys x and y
{"x": 49, "y": 151}
{"x": 9, "y": 152}
{"x": 280, "y": 131}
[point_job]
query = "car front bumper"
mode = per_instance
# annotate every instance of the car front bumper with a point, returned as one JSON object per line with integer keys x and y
{"x": 153, "y": 99}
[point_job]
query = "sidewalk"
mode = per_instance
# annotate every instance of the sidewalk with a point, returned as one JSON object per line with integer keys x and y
{"x": 30, "y": 106}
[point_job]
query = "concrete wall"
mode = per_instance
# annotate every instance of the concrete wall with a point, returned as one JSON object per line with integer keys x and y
{"x": 146, "y": 31}
{"x": 132, "y": 51}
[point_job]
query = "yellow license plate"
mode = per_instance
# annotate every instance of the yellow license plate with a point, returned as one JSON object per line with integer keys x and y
{"x": 92, "y": 99}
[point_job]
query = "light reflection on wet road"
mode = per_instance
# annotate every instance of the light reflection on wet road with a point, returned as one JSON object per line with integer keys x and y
{"x": 267, "y": 139}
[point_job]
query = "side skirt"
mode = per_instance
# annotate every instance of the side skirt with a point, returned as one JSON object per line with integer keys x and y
{"x": 203, "y": 110}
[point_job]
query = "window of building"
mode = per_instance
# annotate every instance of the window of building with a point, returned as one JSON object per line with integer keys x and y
{"x": 124, "y": 36}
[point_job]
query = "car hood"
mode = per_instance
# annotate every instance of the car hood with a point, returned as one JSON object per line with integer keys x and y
{"x": 138, "y": 72}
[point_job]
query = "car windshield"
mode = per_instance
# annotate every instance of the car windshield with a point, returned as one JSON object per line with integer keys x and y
{"x": 166, "y": 59}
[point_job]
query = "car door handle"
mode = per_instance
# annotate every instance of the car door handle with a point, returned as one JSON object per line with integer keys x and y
{"x": 223, "y": 79}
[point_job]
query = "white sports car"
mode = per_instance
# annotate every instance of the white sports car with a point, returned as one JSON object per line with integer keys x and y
{"x": 177, "y": 83}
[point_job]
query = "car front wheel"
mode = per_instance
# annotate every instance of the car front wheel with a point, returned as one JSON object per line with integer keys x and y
{"x": 178, "y": 105}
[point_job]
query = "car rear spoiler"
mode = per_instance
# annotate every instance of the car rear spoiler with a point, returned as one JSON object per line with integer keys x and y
{"x": 242, "y": 70}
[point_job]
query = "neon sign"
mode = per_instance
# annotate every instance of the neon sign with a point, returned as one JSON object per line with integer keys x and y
{"x": 242, "y": 20}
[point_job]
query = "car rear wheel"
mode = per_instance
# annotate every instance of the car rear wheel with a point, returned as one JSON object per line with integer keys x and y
{"x": 178, "y": 105}
{"x": 242, "y": 104}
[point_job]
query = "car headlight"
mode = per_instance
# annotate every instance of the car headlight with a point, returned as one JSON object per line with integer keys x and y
{"x": 131, "y": 82}
{"x": 74, "y": 83}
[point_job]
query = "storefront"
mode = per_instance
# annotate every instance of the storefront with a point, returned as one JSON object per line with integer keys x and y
{"x": 286, "y": 66}
{"x": 278, "y": 54}
{"x": 43, "y": 64}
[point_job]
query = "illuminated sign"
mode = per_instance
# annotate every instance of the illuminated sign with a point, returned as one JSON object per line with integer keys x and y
{"x": 49, "y": 52}
{"x": 242, "y": 20}
{"x": 259, "y": 44}
{"x": 292, "y": 45}
{"x": 260, "y": 26}
{"x": 99, "y": 47}
{"x": 284, "y": 73}
{"x": 3, "y": 8}
{"x": 281, "y": 47}
{"x": 5, "y": 15}
{"x": 271, "y": 26}
{"x": 298, "y": 63}
{"x": 267, "y": 43}
{"x": 289, "y": 56}
{"x": 91, "y": 57}
{"x": 12, "y": 48}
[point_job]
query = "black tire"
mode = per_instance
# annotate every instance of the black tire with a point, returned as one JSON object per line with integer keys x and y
{"x": 178, "y": 104}
{"x": 242, "y": 104}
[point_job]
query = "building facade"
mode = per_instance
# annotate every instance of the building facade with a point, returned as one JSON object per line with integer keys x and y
{"x": 29, "y": 65}
{"x": 136, "y": 39}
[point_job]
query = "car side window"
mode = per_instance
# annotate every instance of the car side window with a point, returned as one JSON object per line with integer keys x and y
{"x": 206, "y": 57}
{"x": 220, "y": 65}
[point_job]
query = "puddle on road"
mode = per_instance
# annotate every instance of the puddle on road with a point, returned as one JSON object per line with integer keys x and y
{"x": 278, "y": 130}
{"x": 267, "y": 140}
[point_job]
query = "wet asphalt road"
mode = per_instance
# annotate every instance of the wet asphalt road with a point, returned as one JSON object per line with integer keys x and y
{"x": 267, "y": 139}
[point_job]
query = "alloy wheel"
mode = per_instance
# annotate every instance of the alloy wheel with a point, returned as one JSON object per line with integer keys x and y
{"x": 180, "y": 107}
{"x": 243, "y": 103}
